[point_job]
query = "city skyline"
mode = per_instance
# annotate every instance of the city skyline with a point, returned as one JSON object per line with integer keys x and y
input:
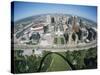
{"x": 53, "y": 37}
{"x": 24, "y": 9}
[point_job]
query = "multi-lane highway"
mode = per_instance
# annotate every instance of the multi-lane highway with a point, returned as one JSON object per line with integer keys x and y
{"x": 55, "y": 48}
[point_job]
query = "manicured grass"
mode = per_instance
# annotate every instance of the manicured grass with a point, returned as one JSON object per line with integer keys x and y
{"x": 58, "y": 40}
{"x": 62, "y": 40}
{"x": 58, "y": 64}
{"x": 55, "y": 40}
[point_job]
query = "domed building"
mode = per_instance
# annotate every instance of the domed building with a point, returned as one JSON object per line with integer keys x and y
{"x": 35, "y": 37}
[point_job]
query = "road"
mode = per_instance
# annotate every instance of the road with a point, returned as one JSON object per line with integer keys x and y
{"x": 53, "y": 48}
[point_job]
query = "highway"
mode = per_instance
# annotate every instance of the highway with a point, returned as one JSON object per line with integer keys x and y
{"x": 56, "y": 48}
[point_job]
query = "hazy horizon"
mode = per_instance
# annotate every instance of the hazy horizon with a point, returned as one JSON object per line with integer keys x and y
{"x": 27, "y": 9}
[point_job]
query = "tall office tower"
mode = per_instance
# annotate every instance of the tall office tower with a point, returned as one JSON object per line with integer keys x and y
{"x": 75, "y": 27}
{"x": 52, "y": 19}
{"x": 48, "y": 20}
{"x": 65, "y": 20}
{"x": 70, "y": 20}
{"x": 73, "y": 37}
{"x": 81, "y": 23}
{"x": 45, "y": 28}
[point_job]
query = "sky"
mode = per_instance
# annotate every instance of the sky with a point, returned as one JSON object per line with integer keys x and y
{"x": 26, "y": 9}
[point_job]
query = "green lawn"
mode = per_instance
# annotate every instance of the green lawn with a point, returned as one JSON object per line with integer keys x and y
{"x": 58, "y": 64}
{"x": 62, "y": 40}
{"x": 58, "y": 40}
{"x": 55, "y": 40}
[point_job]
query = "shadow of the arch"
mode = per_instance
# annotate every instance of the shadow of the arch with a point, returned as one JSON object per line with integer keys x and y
{"x": 70, "y": 64}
